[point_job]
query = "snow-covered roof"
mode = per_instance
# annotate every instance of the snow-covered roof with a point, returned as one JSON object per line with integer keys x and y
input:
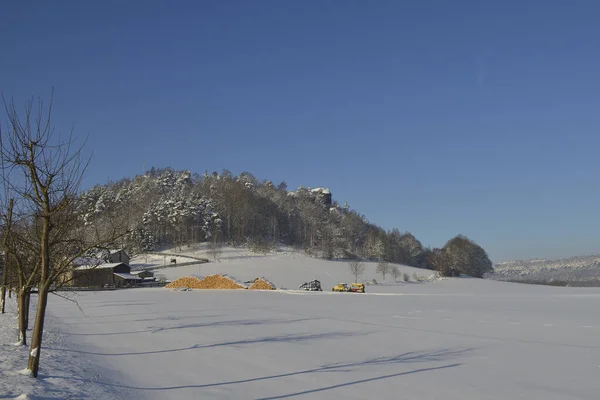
{"x": 102, "y": 253}
{"x": 127, "y": 276}
{"x": 99, "y": 266}
{"x": 113, "y": 251}
{"x": 139, "y": 271}
{"x": 88, "y": 261}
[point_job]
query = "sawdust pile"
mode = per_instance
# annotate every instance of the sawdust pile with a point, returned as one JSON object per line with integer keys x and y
{"x": 189, "y": 282}
{"x": 210, "y": 282}
{"x": 262, "y": 284}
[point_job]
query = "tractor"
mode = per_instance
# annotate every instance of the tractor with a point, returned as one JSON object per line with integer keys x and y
{"x": 341, "y": 287}
{"x": 354, "y": 288}
{"x": 357, "y": 287}
{"x": 312, "y": 286}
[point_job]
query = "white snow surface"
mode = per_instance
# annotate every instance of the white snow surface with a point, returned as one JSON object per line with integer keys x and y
{"x": 465, "y": 339}
{"x": 451, "y": 339}
{"x": 63, "y": 374}
{"x": 285, "y": 268}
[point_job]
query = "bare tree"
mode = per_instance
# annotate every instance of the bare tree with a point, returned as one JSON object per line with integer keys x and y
{"x": 441, "y": 262}
{"x": 357, "y": 268}
{"x": 23, "y": 259}
{"x": 45, "y": 174}
{"x": 5, "y": 266}
{"x": 395, "y": 272}
{"x": 383, "y": 268}
{"x": 214, "y": 244}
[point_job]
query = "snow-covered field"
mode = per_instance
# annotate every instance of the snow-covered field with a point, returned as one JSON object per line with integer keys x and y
{"x": 447, "y": 339}
{"x": 286, "y": 269}
{"x": 453, "y": 339}
{"x": 63, "y": 374}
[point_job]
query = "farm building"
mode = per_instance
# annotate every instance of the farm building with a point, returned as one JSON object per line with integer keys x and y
{"x": 114, "y": 256}
{"x": 98, "y": 275}
{"x": 143, "y": 273}
{"x": 103, "y": 256}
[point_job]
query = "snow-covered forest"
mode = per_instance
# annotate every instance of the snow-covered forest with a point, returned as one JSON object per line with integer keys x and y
{"x": 165, "y": 207}
{"x": 574, "y": 271}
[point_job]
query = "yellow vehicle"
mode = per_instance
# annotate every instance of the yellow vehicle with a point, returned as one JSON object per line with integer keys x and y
{"x": 340, "y": 287}
{"x": 354, "y": 287}
{"x": 358, "y": 287}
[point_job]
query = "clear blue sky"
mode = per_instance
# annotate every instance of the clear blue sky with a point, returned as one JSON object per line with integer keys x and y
{"x": 435, "y": 117}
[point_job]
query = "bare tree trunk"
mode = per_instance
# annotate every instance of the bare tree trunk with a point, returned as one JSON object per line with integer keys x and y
{"x": 3, "y": 290}
{"x": 5, "y": 268}
{"x": 26, "y": 309}
{"x": 38, "y": 330}
{"x": 43, "y": 288}
{"x": 23, "y": 313}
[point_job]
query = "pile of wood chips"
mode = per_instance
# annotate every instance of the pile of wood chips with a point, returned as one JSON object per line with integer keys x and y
{"x": 189, "y": 282}
{"x": 209, "y": 282}
{"x": 220, "y": 282}
{"x": 262, "y": 284}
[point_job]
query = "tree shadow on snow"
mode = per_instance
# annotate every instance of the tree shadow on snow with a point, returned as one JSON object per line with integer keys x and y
{"x": 404, "y": 358}
{"x": 292, "y": 338}
{"x": 241, "y": 322}
{"x": 155, "y": 319}
{"x": 152, "y": 329}
{"x": 121, "y": 304}
{"x": 356, "y": 382}
{"x": 167, "y": 314}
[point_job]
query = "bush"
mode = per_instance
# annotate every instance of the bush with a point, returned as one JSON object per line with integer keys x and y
{"x": 405, "y": 277}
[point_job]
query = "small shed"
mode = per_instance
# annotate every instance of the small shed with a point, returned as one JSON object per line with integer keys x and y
{"x": 143, "y": 273}
{"x": 124, "y": 279}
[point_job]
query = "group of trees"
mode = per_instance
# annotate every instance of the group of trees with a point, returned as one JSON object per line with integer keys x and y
{"x": 47, "y": 222}
{"x": 164, "y": 207}
{"x": 42, "y": 231}
{"x": 461, "y": 255}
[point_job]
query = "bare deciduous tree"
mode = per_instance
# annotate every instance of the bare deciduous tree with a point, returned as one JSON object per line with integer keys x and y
{"x": 214, "y": 244}
{"x": 23, "y": 260}
{"x": 395, "y": 272}
{"x": 383, "y": 268}
{"x": 45, "y": 172}
{"x": 357, "y": 268}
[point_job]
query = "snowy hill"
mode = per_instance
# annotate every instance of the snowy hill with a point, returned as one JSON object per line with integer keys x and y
{"x": 286, "y": 268}
{"x": 581, "y": 271}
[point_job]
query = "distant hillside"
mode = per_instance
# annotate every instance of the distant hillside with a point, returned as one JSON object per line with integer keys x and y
{"x": 166, "y": 208}
{"x": 573, "y": 271}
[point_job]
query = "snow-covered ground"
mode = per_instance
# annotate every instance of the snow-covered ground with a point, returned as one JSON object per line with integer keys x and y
{"x": 144, "y": 261}
{"x": 286, "y": 268}
{"x": 63, "y": 373}
{"x": 446, "y": 339}
{"x": 452, "y": 339}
